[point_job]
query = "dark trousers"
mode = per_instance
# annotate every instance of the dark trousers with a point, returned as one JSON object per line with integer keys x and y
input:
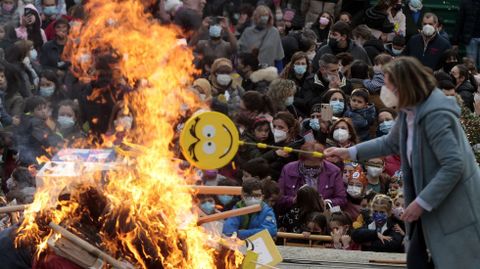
{"x": 417, "y": 255}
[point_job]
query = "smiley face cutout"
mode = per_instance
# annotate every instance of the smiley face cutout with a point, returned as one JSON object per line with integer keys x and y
{"x": 209, "y": 140}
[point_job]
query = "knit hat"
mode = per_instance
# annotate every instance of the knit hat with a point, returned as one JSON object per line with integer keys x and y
{"x": 204, "y": 85}
{"x": 221, "y": 62}
{"x": 359, "y": 175}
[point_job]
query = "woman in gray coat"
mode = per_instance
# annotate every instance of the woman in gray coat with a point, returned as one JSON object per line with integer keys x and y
{"x": 441, "y": 176}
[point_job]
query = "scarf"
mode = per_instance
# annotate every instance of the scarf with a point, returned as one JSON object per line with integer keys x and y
{"x": 310, "y": 174}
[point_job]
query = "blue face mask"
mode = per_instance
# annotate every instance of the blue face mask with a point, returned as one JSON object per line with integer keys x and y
{"x": 215, "y": 31}
{"x": 50, "y": 10}
{"x": 314, "y": 124}
{"x": 386, "y": 126}
{"x": 380, "y": 219}
{"x": 337, "y": 107}
{"x": 208, "y": 207}
{"x": 225, "y": 199}
{"x": 300, "y": 69}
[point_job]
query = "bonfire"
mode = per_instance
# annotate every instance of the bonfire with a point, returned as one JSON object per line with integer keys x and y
{"x": 142, "y": 212}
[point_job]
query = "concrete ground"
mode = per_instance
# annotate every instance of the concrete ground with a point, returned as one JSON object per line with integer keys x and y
{"x": 306, "y": 258}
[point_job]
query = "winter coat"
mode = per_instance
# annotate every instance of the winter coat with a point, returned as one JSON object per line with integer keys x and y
{"x": 466, "y": 91}
{"x": 5, "y": 118}
{"x": 373, "y": 47}
{"x": 22, "y": 29}
{"x": 51, "y": 54}
{"x": 14, "y": 103}
{"x": 322, "y": 34}
{"x": 358, "y": 53}
{"x": 313, "y": 90}
{"x": 276, "y": 162}
{"x": 329, "y": 185}
{"x": 260, "y": 80}
{"x": 33, "y": 137}
{"x": 430, "y": 55}
{"x": 368, "y": 238}
{"x": 443, "y": 173}
{"x": 248, "y": 225}
{"x": 467, "y": 22}
{"x": 313, "y": 8}
{"x": 267, "y": 41}
{"x": 10, "y": 17}
{"x": 362, "y": 120}
{"x": 377, "y": 19}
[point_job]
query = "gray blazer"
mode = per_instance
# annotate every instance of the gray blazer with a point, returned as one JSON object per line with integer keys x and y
{"x": 444, "y": 174}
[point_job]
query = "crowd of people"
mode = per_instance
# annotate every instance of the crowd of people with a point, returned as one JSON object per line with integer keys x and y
{"x": 304, "y": 74}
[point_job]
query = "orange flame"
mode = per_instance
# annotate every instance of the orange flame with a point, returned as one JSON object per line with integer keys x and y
{"x": 151, "y": 218}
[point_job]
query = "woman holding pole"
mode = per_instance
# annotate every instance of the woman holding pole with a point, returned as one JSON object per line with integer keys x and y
{"x": 441, "y": 177}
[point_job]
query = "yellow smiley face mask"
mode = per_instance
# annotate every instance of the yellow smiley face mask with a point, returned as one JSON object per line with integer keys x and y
{"x": 209, "y": 140}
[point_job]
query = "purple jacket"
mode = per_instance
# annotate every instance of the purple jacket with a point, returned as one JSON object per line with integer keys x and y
{"x": 330, "y": 184}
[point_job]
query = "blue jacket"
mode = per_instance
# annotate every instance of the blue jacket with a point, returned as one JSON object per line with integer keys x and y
{"x": 362, "y": 119}
{"x": 430, "y": 54}
{"x": 248, "y": 225}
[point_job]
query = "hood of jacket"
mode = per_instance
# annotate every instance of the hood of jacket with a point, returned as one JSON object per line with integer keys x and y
{"x": 37, "y": 14}
{"x": 267, "y": 74}
{"x": 376, "y": 43}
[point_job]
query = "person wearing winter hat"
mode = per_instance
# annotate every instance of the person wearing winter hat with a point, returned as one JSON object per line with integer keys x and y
{"x": 356, "y": 191}
{"x": 223, "y": 88}
{"x": 377, "y": 19}
{"x": 428, "y": 46}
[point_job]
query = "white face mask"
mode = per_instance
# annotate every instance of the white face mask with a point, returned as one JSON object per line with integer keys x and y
{"x": 46, "y": 91}
{"x": 123, "y": 123}
{"x": 65, "y": 122}
{"x": 224, "y": 79}
{"x": 396, "y": 52}
{"x": 428, "y": 30}
{"x": 354, "y": 191}
{"x": 33, "y": 54}
{"x": 341, "y": 135}
{"x": 388, "y": 97}
{"x": 289, "y": 101}
{"x": 279, "y": 135}
{"x": 252, "y": 201}
{"x": 374, "y": 171}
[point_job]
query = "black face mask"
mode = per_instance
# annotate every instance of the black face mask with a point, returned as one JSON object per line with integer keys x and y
{"x": 332, "y": 42}
{"x": 397, "y": 7}
{"x": 454, "y": 80}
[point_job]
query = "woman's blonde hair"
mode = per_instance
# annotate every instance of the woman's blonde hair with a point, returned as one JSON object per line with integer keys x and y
{"x": 259, "y": 11}
{"x": 412, "y": 80}
{"x": 279, "y": 90}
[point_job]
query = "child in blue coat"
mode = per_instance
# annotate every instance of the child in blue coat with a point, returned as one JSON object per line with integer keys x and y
{"x": 361, "y": 112}
{"x": 248, "y": 225}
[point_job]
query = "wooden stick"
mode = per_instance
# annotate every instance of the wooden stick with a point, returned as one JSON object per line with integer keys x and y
{"x": 300, "y": 236}
{"x": 12, "y": 208}
{"x": 227, "y": 190}
{"x": 89, "y": 248}
{"x": 388, "y": 261}
{"x": 229, "y": 214}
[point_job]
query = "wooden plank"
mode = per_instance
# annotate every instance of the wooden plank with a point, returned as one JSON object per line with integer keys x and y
{"x": 229, "y": 214}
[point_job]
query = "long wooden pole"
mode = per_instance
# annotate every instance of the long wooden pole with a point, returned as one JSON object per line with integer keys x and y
{"x": 229, "y": 214}
{"x": 388, "y": 261}
{"x": 12, "y": 208}
{"x": 89, "y": 248}
{"x": 217, "y": 190}
{"x": 301, "y": 236}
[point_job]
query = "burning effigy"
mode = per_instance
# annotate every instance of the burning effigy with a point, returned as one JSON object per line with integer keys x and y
{"x": 138, "y": 213}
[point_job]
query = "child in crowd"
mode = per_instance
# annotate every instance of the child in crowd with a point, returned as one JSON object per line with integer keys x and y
{"x": 227, "y": 202}
{"x": 356, "y": 190}
{"x": 21, "y": 186}
{"x": 258, "y": 132}
{"x": 316, "y": 224}
{"x": 207, "y": 204}
{"x": 380, "y": 235}
{"x": 257, "y": 168}
{"x": 377, "y": 180}
{"x": 340, "y": 230}
{"x": 307, "y": 201}
{"x": 271, "y": 192}
{"x": 33, "y": 134}
{"x": 361, "y": 113}
{"x": 375, "y": 84}
{"x": 69, "y": 121}
{"x": 248, "y": 225}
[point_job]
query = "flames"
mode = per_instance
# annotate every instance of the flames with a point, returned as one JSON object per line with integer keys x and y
{"x": 148, "y": 216}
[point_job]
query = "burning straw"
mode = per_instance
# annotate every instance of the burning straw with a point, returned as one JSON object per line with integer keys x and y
{"x": 147, "y": 218}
